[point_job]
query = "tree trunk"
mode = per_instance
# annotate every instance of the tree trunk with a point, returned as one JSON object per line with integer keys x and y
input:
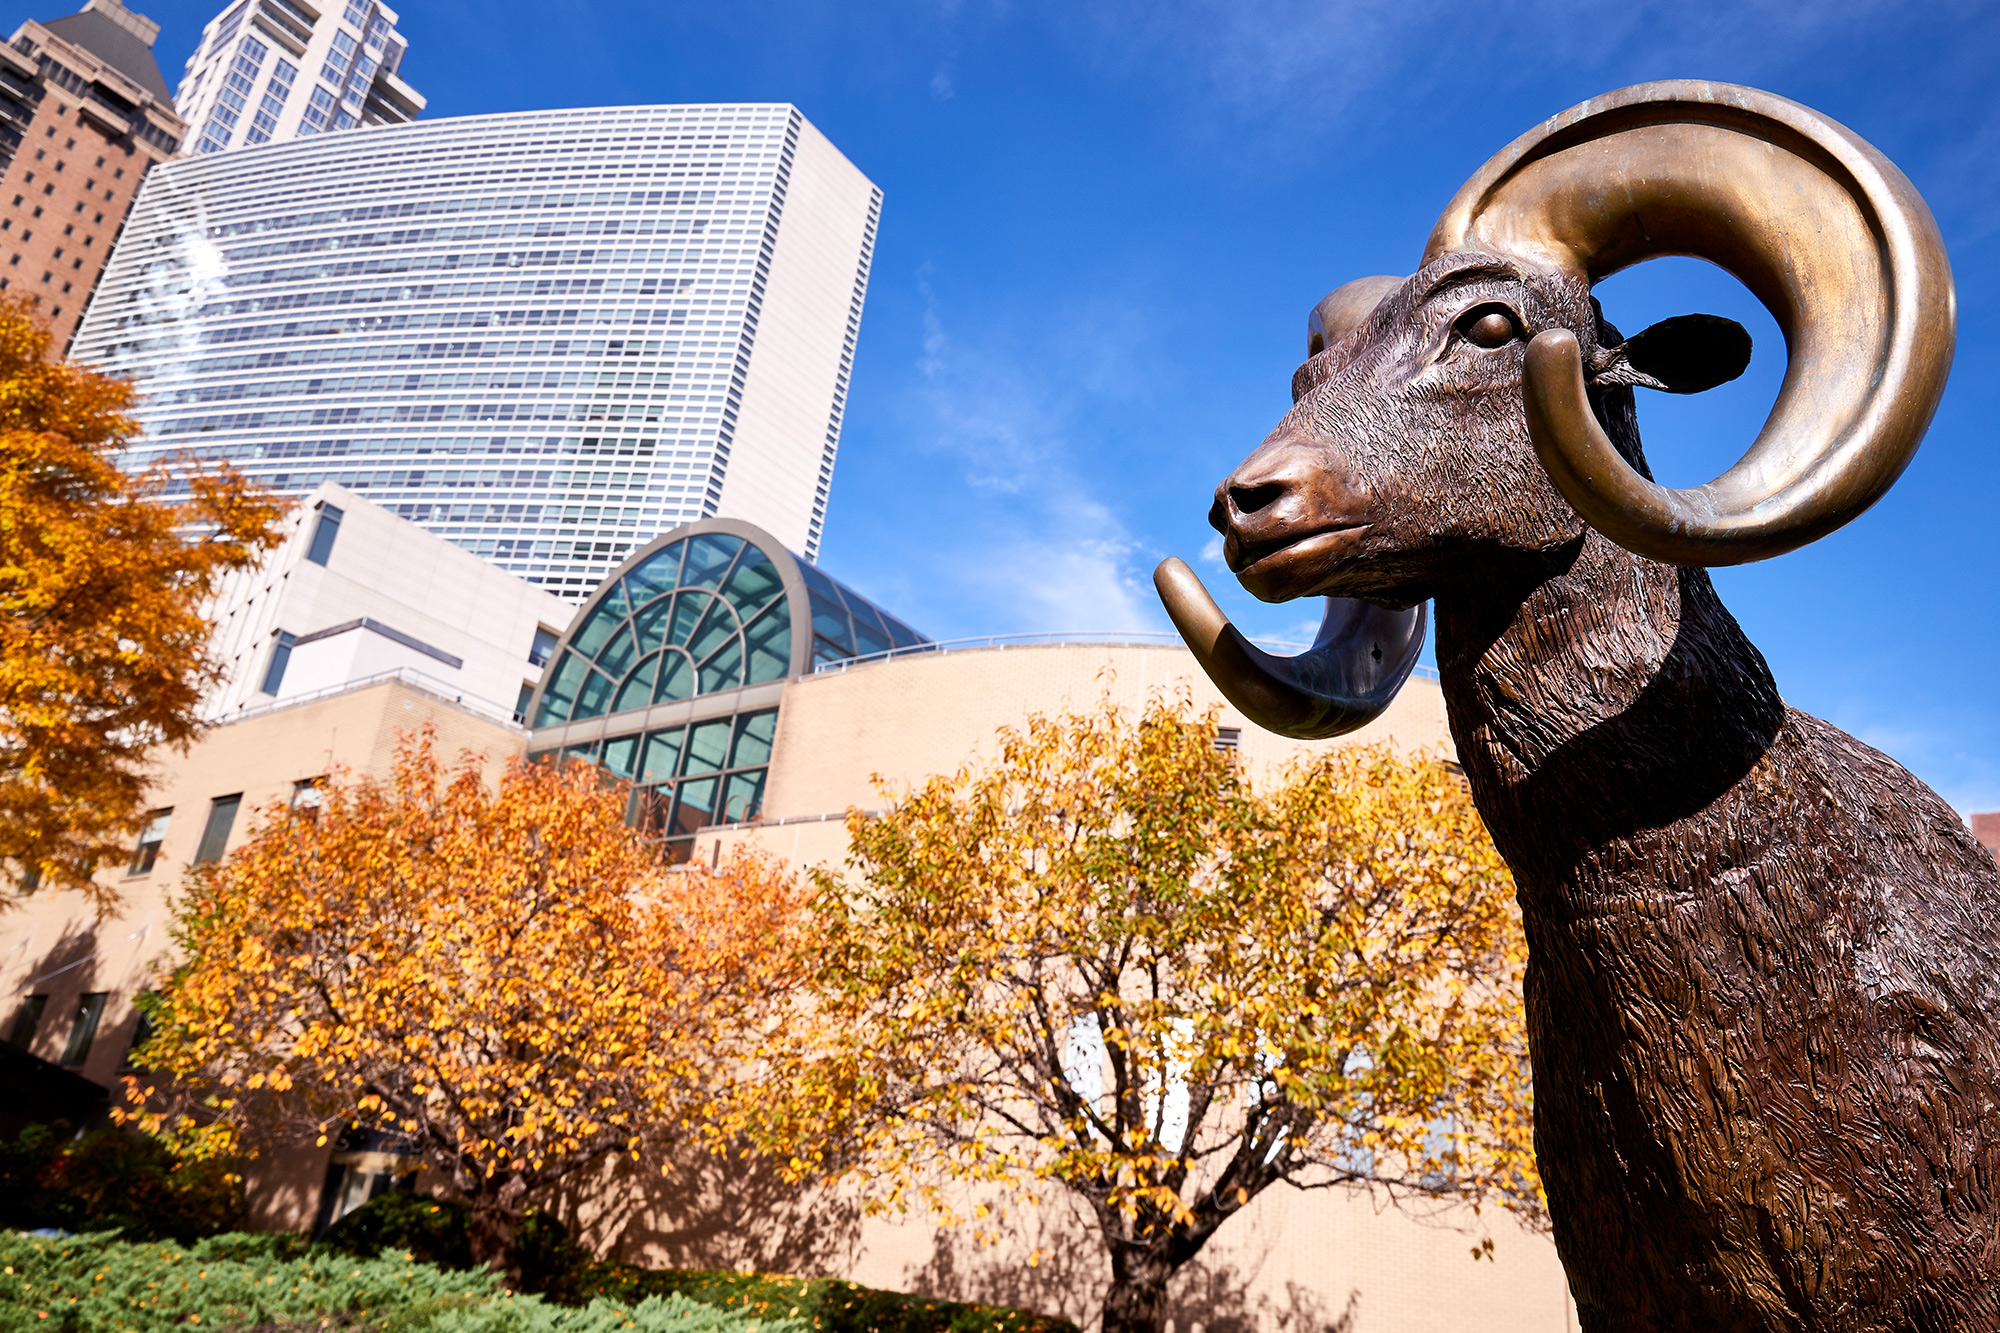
{"x": 1137, "y": 1300}
{"x": 495, "y": 1217}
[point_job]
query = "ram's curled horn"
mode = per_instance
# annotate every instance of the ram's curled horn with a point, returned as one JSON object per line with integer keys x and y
{"x": 1346, "y": 680}
{"x": 1833, "y": 240}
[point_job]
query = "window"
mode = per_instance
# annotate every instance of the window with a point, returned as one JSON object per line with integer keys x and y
{"x": 148, "y": 850}
{"x": 308, "y": 794}
{"x": 324, "y": 532}
{"x": 83, "y": 1028}
{"x": 1229, "y": 738}
{"x": 521, "y": 702}
{"x": 142, "y": 1032}
{"x": 215, "y": 833}
{"x": 281, "y": 656}
{"x": 21, "y": 1032}
{"x": 545, "y": 643}
{"x": 31, "y": 879}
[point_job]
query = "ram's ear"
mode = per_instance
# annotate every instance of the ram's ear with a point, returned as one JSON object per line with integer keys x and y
{"x": 1685, "y": 354}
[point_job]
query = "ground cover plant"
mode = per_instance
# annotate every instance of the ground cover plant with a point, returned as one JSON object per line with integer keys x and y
{"x": 103, "y": 1284}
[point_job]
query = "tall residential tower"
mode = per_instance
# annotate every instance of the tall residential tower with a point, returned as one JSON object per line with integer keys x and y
{"x": 83, "y": 113}
{"x": 547, "y": 336}
{"x": 269, "y": 71}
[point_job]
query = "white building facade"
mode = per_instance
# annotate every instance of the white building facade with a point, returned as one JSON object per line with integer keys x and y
{"x": 354, "y": 593}
{"x": 546, "y": 336}
{"x": 270, "y": 71}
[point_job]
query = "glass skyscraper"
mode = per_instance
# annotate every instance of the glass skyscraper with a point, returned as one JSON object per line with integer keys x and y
{"x": 547, "y": 336}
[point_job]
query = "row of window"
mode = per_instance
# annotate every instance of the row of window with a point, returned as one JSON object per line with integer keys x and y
{"x": 306, "y": 795}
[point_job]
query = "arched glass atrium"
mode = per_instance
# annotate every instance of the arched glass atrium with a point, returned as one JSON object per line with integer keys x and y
{"x": 671, "y": 675}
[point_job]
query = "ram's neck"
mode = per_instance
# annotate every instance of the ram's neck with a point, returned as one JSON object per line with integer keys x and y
{"x": 1595, "y": 699}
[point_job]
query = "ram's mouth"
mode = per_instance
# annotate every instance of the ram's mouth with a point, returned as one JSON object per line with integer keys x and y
{"x": 1283, "y": 567}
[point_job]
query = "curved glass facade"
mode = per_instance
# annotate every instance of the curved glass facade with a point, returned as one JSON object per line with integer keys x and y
{"x": 547, "y": 336}
{"x": 671, "y": 675}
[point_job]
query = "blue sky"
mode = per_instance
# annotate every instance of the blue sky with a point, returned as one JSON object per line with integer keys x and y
{"x": 1104, "y": 225}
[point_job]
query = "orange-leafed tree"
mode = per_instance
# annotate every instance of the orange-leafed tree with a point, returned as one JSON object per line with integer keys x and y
{"x": 104, "y": 651}
{"x": 509, "y": 978}
{"x": 1107, "y": 963}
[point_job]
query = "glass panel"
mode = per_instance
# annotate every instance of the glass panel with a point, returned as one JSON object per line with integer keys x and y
{"x": 746, "y": 797}
{"x": 650, "y": 621}
{"x": 661, "y": 572}
{"x": 695, "y": 804}
{"x": 618, "y": 654}
{"x": 619, "y": 752}
{"x": 603, "y": 621}
{"x": 753, "y": 738}
{"x": 770, "y": 640}
{"x": 562, "y": 689}
{"x": 587, "y": 750}
{"x": 830, "y": 622}
{"x": 717, "y": 625}
{"x": 755, "y": 582}
{"x": 819, "y": 582}
{"x": 828, "y": 652}
{"x": 708, "y": 560}
{"x": 637, "y": 691}
{"x": 724, "y": 671}
{"x": 869, "y": 636}
{"x": 676, "y": 677}
{"x": 215, "y": 834}
{"x": 708, "y": 745}
{"x": 663, "y": 756}
{"x": 688, "y": 609}
{"x": 593, "y": 697}
{"x": 904, "y": 636}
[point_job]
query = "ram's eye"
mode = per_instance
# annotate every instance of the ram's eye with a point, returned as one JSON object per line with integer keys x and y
{"x": 1488, "y": 326}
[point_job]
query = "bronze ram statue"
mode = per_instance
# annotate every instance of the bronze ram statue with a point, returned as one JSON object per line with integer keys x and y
{"x": 1764, "y": 978}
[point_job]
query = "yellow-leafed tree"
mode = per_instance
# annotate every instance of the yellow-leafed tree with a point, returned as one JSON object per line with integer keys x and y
{"x": 510, "y": 979}
{"x": 104, "y": 652}
{"x": 1104, "y": 963}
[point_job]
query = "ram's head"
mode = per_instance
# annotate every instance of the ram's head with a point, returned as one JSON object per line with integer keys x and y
{"x": 1479, "y": 412}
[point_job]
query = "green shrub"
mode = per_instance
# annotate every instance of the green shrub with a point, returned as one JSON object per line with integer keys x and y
{"x": 101, "y": 1284}
{"x": 114, "y": 1178}
{"x": 564, "y": 1273}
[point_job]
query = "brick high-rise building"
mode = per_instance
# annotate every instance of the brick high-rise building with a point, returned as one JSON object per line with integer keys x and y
{"x": 84, "y": 112}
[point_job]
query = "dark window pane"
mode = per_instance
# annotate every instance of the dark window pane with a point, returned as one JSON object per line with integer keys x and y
{"x": 708, "y": 746}
{"x": 694, "y": 804}
{"x": 829, "y": 652}
{"x": 663, "y": 756}
{"x": 753, "y": 738}
{"x": 593, "y": 698}
{"x": 689, "y": 608}
{"x": 717, "y": 625}
{"x": 830, "y": 623}
{"x": 21, "y": 1032}
{"x": 561, "y": 693}
{"x": 637, "y": 691}
{"x": 619, "y": 654}
{"x": 586, "y": 751}
{"x": 676, "y": 677}
{"x": 215, "y": 833}
{"x": 745, "y": 800}
{"x": 770, "y": 640}
{"x": 619, "y": 752}
{"x": 904, "y": 636}
{"x": 677, "y": 851}
{"x": 754, "y": 582}
{"x": 281, "y": 656}
{"x": 660, "y": 573}
{"x": 606, "y": 619}
{"x": 545, "y": 643}
{"x": 650, "y": 623}
{"x": 724, "y": 671}
{"x": 522, "y": 700}
{"x": 869, "y": 636}
{"x": 83, "y": 1028}
{"x": 150, "y": 838}
{"x": 819, "y": 582}
{"x": 324, "y": 531}
{"x": 708, "y": 559}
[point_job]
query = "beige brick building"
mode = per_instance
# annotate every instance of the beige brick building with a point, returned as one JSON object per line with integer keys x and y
{"x": 740, "y": 733}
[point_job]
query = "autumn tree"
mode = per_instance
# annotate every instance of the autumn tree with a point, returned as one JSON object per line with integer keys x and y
{"x": 510, "y": 979}
{"x": 104, "y": 651}
{"x": 1106, "y": 963}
